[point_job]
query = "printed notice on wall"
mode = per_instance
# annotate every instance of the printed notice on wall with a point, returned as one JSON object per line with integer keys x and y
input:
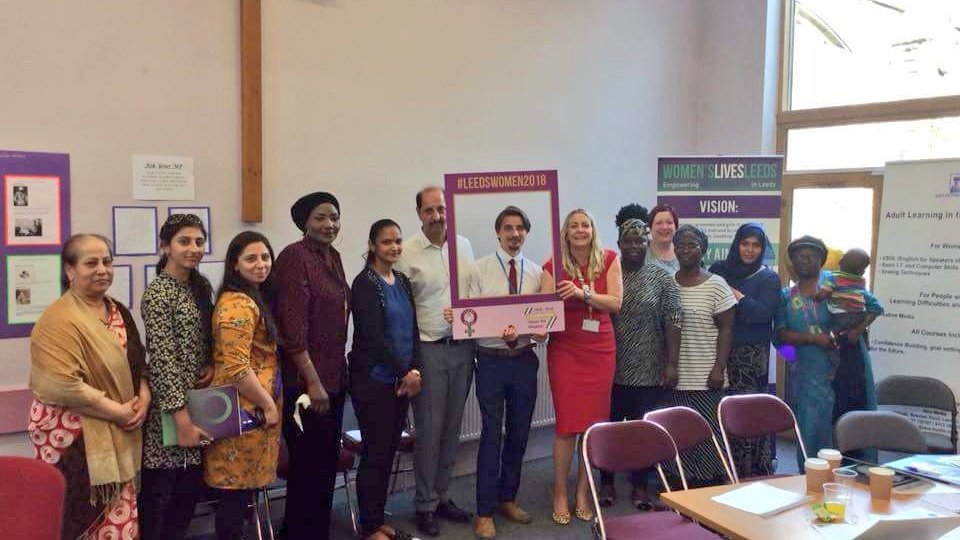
{"x": 163, "y": 178}
{"x": 918, "y": 272}
{"x": 33, "y": 283}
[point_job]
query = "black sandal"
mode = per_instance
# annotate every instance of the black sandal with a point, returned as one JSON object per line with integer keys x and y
{"x": 641, "y": 500}
{"x": 608, "y": 494}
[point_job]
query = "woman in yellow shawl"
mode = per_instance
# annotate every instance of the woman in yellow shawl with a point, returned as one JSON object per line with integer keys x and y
{"x": 91, "y": 395}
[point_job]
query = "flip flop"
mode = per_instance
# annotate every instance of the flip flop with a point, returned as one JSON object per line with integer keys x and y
{"x": 584, "y": 515}
{"x": 561, "y": 518}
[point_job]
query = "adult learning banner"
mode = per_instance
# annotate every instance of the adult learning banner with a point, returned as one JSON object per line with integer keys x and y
{"x": 720, "y": 193}
{"x": 918, "y": 272}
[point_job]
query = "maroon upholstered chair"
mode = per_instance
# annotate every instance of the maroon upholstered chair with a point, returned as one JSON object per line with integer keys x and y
{"x": 628, "y": 446}
{"x": 688, "y": 428}
{"x": 31, "y": 499}
{"x": 754, "y": 415}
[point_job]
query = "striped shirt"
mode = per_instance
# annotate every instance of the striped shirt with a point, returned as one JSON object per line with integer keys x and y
{"x": 698, "y": 335}
{"x": 650, "y": 302}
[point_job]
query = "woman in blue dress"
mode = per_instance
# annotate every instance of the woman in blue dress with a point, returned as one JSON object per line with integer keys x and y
{"x": 803, "y": 322}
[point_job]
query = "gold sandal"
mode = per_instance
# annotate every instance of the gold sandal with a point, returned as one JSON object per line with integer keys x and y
{"x": 561, "y": 518}
{"x": 584, "y": 515}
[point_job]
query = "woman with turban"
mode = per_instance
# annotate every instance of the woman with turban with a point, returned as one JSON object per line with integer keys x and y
{"x": 804, "y": 322}
{"x": 312, "y": 306}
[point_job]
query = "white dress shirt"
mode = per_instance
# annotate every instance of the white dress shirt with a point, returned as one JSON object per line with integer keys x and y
{"x": 490, "y": 277}
{"x": 427, "y": 266}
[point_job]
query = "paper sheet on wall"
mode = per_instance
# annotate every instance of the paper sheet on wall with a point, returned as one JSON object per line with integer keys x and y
{"x": 135, "y": 230}
{"x": 122, "y": 287}
{"x": 32, "y": 210}
{"x": 33, "y": 283}
{"x": 163, "y": 178}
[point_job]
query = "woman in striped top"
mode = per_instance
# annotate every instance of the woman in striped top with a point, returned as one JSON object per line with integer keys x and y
{"x": 697, "y": 381}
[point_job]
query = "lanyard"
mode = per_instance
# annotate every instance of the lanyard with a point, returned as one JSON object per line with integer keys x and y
{"x": 507, "y": 274}
{"x": 584, "y": 284}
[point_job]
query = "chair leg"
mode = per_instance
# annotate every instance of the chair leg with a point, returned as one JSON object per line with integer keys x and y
{"x": 353, "y": 511}
{"x": 256, "y": 515}
{"x": 266, "y": 506}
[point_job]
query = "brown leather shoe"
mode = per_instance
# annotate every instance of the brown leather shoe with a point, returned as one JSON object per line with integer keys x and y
{"x": 511, "y": 511}
{"x": 484, "y": 528}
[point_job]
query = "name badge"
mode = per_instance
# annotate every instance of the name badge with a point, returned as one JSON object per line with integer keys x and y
{"x": 591, "y": 325}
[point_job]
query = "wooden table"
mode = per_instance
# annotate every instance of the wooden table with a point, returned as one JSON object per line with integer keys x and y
{"x": 797, "y": 523}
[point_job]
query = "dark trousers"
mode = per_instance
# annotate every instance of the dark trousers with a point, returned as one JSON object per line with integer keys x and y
{"x": 631, "y": 403}
{"x": 507, "y": 393}
{"x": 229, "y": 521}
{"x": 166, "y": 501}
{"x": 381, "y": 415}
{"x": 314, "y": 453}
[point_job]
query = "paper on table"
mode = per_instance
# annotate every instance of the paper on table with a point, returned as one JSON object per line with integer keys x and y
{"x": 762, "y": 499}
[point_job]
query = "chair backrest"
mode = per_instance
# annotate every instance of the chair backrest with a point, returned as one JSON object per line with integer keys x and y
{"x": 883, "y": 430}
{"x": 920, "y": 392}
{"x": 754, "y": 415}
{"x": 31, "y": 496}
{"x": 687, "y": 428}
{"x": 626, "y": 446}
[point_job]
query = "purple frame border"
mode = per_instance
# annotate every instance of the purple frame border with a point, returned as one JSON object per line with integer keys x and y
{"x": 146, "y": 271}
{"x": 156, "y": 229}
{"x": 40, "y": 164}
{"x": 451, "y": 189}
{"x": 129, "y": 283}
{"x": 208, "y": 248}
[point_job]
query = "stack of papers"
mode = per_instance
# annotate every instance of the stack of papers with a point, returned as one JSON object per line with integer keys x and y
{"x": 762, "y": 499}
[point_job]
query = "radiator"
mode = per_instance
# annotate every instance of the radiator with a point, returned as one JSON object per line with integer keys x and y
{"x": 543, "y": 414}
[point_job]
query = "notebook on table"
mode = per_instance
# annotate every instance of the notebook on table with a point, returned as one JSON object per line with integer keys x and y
{"x": 762, "y": 499}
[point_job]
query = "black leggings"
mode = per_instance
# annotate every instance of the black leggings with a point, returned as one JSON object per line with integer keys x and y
{"x": 231, "y": 512}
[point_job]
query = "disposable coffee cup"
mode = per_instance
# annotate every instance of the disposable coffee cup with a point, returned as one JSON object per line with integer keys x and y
{"x": 818, "y": 472}
{"x": 834, "y": 457}
{"x": 881, "y": 482}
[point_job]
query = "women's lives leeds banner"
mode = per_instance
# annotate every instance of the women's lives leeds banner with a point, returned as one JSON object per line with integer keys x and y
{"x": 720, "y": 193}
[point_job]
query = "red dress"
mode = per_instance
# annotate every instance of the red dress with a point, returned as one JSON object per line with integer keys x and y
{"x": 581, "y": 364}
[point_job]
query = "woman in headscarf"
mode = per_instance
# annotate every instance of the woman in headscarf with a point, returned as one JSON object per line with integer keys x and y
{"x": 312, "y": 307}
{"x": 804, "y": 323}
{"x": 757, "y": 290}
{"x": 647, "y": 328}
{"x": 91, "y": 395}
{"x": 706, "y": 336}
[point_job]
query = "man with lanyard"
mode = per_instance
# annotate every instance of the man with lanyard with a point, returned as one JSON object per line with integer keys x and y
{"x": 506, "y": 377}
{"x": 447, "y": 364}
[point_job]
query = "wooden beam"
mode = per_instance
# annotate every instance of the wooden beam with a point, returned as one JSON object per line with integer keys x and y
{"x": 251, "y": 141}
{"x": 890, "y": 111}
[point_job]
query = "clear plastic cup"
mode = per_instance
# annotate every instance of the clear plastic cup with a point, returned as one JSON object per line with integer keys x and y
{"x": 836, "y": 499}
{"x": 845, "y": 476}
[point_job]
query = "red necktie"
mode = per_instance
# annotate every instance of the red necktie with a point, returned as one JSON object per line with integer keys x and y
{"x": 513, "y": 277}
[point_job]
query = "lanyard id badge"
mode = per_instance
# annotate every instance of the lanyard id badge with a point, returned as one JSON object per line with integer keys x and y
{"x": 589, "y": 323}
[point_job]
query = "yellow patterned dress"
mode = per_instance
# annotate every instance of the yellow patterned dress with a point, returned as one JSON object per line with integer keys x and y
{"x": 240, "y": 342}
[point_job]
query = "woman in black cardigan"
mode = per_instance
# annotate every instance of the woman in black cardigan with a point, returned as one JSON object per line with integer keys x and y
{"x": 384, "y": 371}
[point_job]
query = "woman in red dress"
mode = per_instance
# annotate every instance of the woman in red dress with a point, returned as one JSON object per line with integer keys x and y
{"x": 581, "y": 360}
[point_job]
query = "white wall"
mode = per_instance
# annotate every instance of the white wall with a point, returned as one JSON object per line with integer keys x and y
{"x": 372, "y": 100}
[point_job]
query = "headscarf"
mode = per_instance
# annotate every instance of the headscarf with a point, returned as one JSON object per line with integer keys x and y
{"x": 733, "y": 268}
{"x": 300, "y": 211}
{"x": 634, "y": 226}
{"x": 697, "y": 232}
{"x": 807, "y": 241}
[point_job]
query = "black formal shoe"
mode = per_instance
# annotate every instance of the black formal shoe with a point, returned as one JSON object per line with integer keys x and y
{"x": 451, "y": 512}
{"x": 427, "y": 523}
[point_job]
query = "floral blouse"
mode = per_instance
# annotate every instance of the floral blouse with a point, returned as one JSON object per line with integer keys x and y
{"x": 177, "y": 353}
{"x": 241, "y": 342}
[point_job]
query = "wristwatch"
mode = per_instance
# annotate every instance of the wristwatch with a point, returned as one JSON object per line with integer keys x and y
{"x": 587, "y": 294}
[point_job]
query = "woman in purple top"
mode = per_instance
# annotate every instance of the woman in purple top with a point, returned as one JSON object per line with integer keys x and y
{"x": 312, "y": 307}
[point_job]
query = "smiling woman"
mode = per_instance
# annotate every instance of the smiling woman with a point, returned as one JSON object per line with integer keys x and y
{"x": 87, "y": 366}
